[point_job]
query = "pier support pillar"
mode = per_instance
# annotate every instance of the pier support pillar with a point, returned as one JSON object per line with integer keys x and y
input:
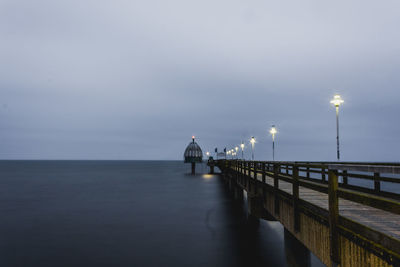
{"x": 193, "y": 168}
{"x": 256, "y": 208}
{"x": 238, "y": 193}
{"x": 211, "y": 169}
{"x": 297, "y": 254}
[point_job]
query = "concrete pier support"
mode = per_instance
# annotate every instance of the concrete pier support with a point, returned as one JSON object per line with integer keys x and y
{"x": 297, "y": 255}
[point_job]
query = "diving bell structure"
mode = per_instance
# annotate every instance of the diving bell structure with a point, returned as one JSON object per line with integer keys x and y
{"x": 193, "y": 154}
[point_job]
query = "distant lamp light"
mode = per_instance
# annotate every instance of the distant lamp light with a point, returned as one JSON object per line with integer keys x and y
{"x": 242, "y": 147}
{"x": 337, "y": 100}
{"x": 273, "y": 131}
{"x": 208, "y": 154}
{"x": 252, "y": 141}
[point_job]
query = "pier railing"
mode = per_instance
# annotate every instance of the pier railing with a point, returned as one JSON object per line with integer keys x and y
{"x": 375, "y": 185}
{"x": 315, "y": 176}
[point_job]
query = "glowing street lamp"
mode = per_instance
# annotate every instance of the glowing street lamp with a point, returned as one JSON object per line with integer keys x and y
{"x": 337, "y": 101}
{"x": 252, "y": 141}
{"x": 208, "y": 154}
{"x": 273, "y": 131}
{"x": 236, "y": 150}
{"x": 242, "y": 147}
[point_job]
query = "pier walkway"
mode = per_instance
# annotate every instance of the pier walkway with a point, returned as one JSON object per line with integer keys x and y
{"x": 347, "y": 214}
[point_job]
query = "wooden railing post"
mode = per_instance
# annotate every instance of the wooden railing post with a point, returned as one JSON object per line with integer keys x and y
{"x": 263, "y": 172}
{"x": 323, "y": 175}
{"x": 246, "y": 172}
{"x": 377, "y": 182}
{"x": 333, "y": 216}
{"x": 295, "y": 191}
{"x": 237, "y": 171}
{"x": 241, "y": 172}
{"x": 344, "y": 175}
{"x": 255, "y": 170}
{"x": 276, "y": 188}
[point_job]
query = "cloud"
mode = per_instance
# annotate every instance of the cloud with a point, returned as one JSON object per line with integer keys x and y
{"x": 135, "y": 79}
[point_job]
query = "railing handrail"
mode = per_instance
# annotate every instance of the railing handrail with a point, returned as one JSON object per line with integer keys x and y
{"x": 322, "y": 162}
{"x": 366, "y": 168}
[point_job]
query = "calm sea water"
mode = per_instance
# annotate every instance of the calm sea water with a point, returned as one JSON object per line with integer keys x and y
{"x": 129, "y": 213}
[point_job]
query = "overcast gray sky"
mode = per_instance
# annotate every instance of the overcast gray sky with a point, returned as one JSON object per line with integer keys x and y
{"x": 127, "y": 79}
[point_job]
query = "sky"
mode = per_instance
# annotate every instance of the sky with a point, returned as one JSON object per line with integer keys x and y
{"x": 123, "y": 79}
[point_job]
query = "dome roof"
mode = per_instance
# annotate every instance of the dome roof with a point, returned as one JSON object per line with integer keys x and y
{"x": 193, "y": 153}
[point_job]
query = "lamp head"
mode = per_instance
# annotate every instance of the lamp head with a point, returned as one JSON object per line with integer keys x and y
{"x": 337, "y": 100}
{"x": 273, "y": 130}
{"x": 252, "y": 140}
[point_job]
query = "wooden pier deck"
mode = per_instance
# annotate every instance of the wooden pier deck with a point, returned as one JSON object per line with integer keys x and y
{"x": 374, "y": 218}
{"x": 355, "y": 218}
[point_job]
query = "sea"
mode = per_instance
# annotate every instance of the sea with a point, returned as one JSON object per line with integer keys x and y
{"x": 132, "y": 213}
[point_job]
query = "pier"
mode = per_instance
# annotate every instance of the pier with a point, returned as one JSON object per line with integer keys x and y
{"x": 343, "y": 223}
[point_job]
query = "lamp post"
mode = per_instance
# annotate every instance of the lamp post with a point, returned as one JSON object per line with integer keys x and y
{"x": 337, "y": 100}
{"x": 273, "y": 131}
{"x": 252, "y": 141}
{"x": 236, "y": 150}
{"x": 242, "y": 147}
